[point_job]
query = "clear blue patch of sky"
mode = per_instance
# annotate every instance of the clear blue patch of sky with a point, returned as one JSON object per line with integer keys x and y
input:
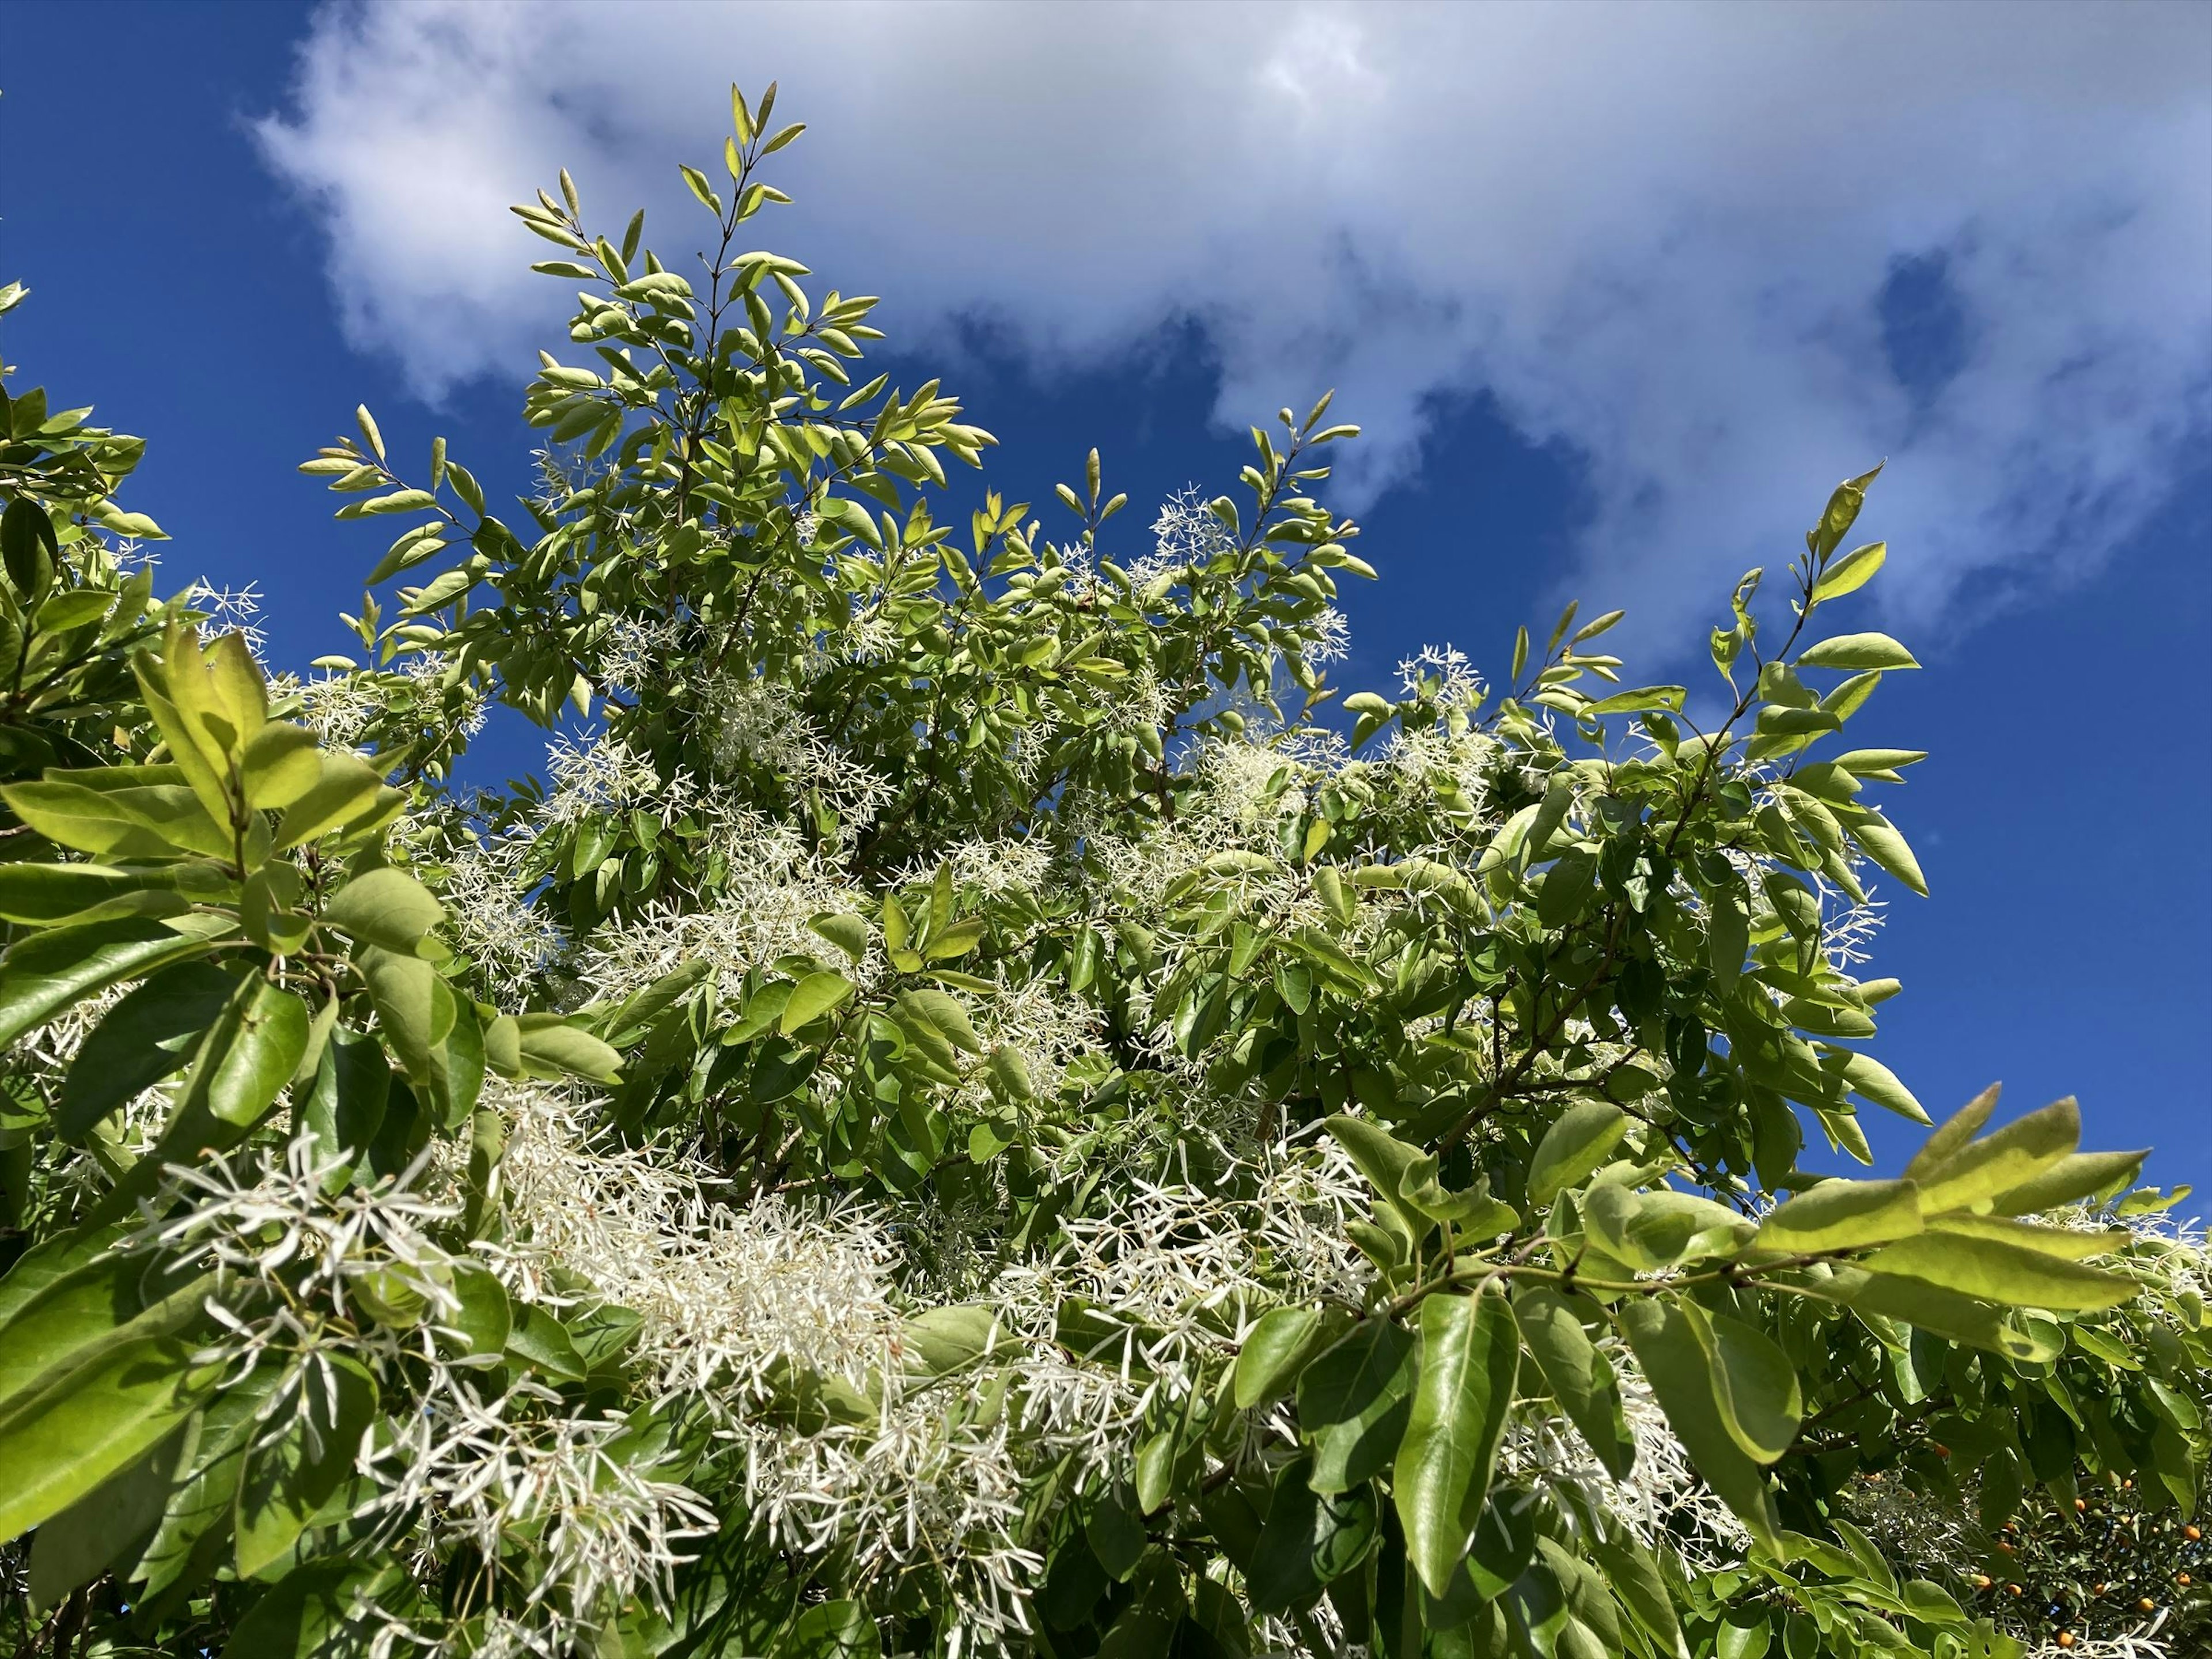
{"x": 2065, "y": 819}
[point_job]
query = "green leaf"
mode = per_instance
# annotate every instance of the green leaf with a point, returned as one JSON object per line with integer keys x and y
{"x": 1997, "y": 1272}
{"x": 950, "y": 1338}
{"x": 281, "y": 765}
{"x": 847, "y": 931}
{"x": 1354, "y": 1400}
{"x": 1953, "y": 1133}
{"x": 1308, "y": 1539}
{"x": 1841, "y": 1215}
{"x": 345, "y": 1105}
{"x": 49, "y": 1262}
{"x": 287, "y": 1481}
{"x": 1582, "y": 1138}
{"x": 194, "y": 1538}
{"x": 103, "y": 1527}
{"x": 1850, "y": 572}
{"x": 550, "y": 1047}
{"x": 1565, "y": 887}
{"x": 261, "y": 1055}
{"x": 149, "y": 1035}
{"x": 48, "y": 972}
{"x": 113, "y": 814}
{"x": 303, "y": 1613}
{"x": 62, "y": 1441}
{"x": 1857, "y": 651}
{"x": 1683, "y": 1372}
{"x": 1668, "y": 697}
{"x": 1996, "y": 1163}
{"x": 386, "y": 907}
{"x": 45, "y": 894}
{"x": 829, "y": 1630}
{"x": 2076, "y": 1177}
{"x": 1878, "y": 840}
{"x": 1580, "y": 1376}
{"x": 2072, "y": 1244}
{"x": 1635, "y": 1576}
{"x": 28, "y": 545}
{"x": 1868, "y": 1077}
{"x": 346, "y": 787}
{"x": 1383, "y": 1158}
{"x": 542, "y": 1342}
{"x": 942, "y": 1013}
{"x": 1755, "y": 1385}
{"x": 954, "y": 942}
{"x": 485, "y": 1317}
{"x": 1931, "y": 1308}
{"x": 812, "y": 998}
{"x": 1277, "y": 1349}
{"x": 1470, "y": 1359}
{"x": 74, "y": 609}
{"x": 402, "y": 989}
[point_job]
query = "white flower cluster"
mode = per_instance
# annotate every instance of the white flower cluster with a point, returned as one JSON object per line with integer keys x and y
{"x": 488, "y": 910}
{"x": 308, "y": 1271}
{"x": 591, "y": 780}
{"x": 1187, "y": 533}
{"x": 760, "y": 722}
{"x": 732, "y": 1297}
{"x": 633, "y": 651}
{"x": 773, "y": 886}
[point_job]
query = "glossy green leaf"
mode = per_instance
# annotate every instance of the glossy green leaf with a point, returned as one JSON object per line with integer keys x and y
{"x": 1754, "y": 1384}
{"x": 1580, "y": 1139}
{"x": 280, "y": 765}
{"x": 402, "y": 989}
{"x": 1308, "y": 1538}
{"x": 193, "y": 1537}
{"x": 305, "y": 1614}
{"x": 346, "y": 787}
{"x": 103, "y": 1527}
{"x": 149, "y": 1035}
{"x": 1277, "y": 1350}
{"x": 45, "y": 895}
{"x": 2003, "y": 1273}
{"x": 1982, "y": 1170}
{"x": 59, "y": 1443}
{"x": 387, "y": 908}
{"x": 540, "y": 1339}
{"x": 1354, "y": 1400}
{"x": 343, "y": 1106}
{"x": 845, "y": 930}
{"x": 287, "y": 1481}
{"x": 555, "y": 1048}
{"x": 1580, "y": 1376}
{"x": 1470, "y": 1358}
{"x": 45, "y": 973}
{"x": 812, "y": 998}
{"x": 261, "y": 1055}
{"x": 1841, "y": 1215}
{"x": 1681, "y": 1372}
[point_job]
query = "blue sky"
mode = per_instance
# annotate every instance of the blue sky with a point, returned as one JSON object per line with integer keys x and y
{"x": 1618, "y": 293}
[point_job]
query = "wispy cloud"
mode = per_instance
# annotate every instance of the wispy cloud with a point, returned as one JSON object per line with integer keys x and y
{"x": 1726, "y": 252}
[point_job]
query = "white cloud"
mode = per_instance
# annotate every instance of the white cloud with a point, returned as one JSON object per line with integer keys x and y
{"x": 1660, "y": 235}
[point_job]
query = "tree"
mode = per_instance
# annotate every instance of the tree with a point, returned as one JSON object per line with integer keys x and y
{"x": 970, "y": 1110}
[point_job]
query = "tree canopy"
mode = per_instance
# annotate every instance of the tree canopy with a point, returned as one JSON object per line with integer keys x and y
{"x": 981, "y": 1105}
